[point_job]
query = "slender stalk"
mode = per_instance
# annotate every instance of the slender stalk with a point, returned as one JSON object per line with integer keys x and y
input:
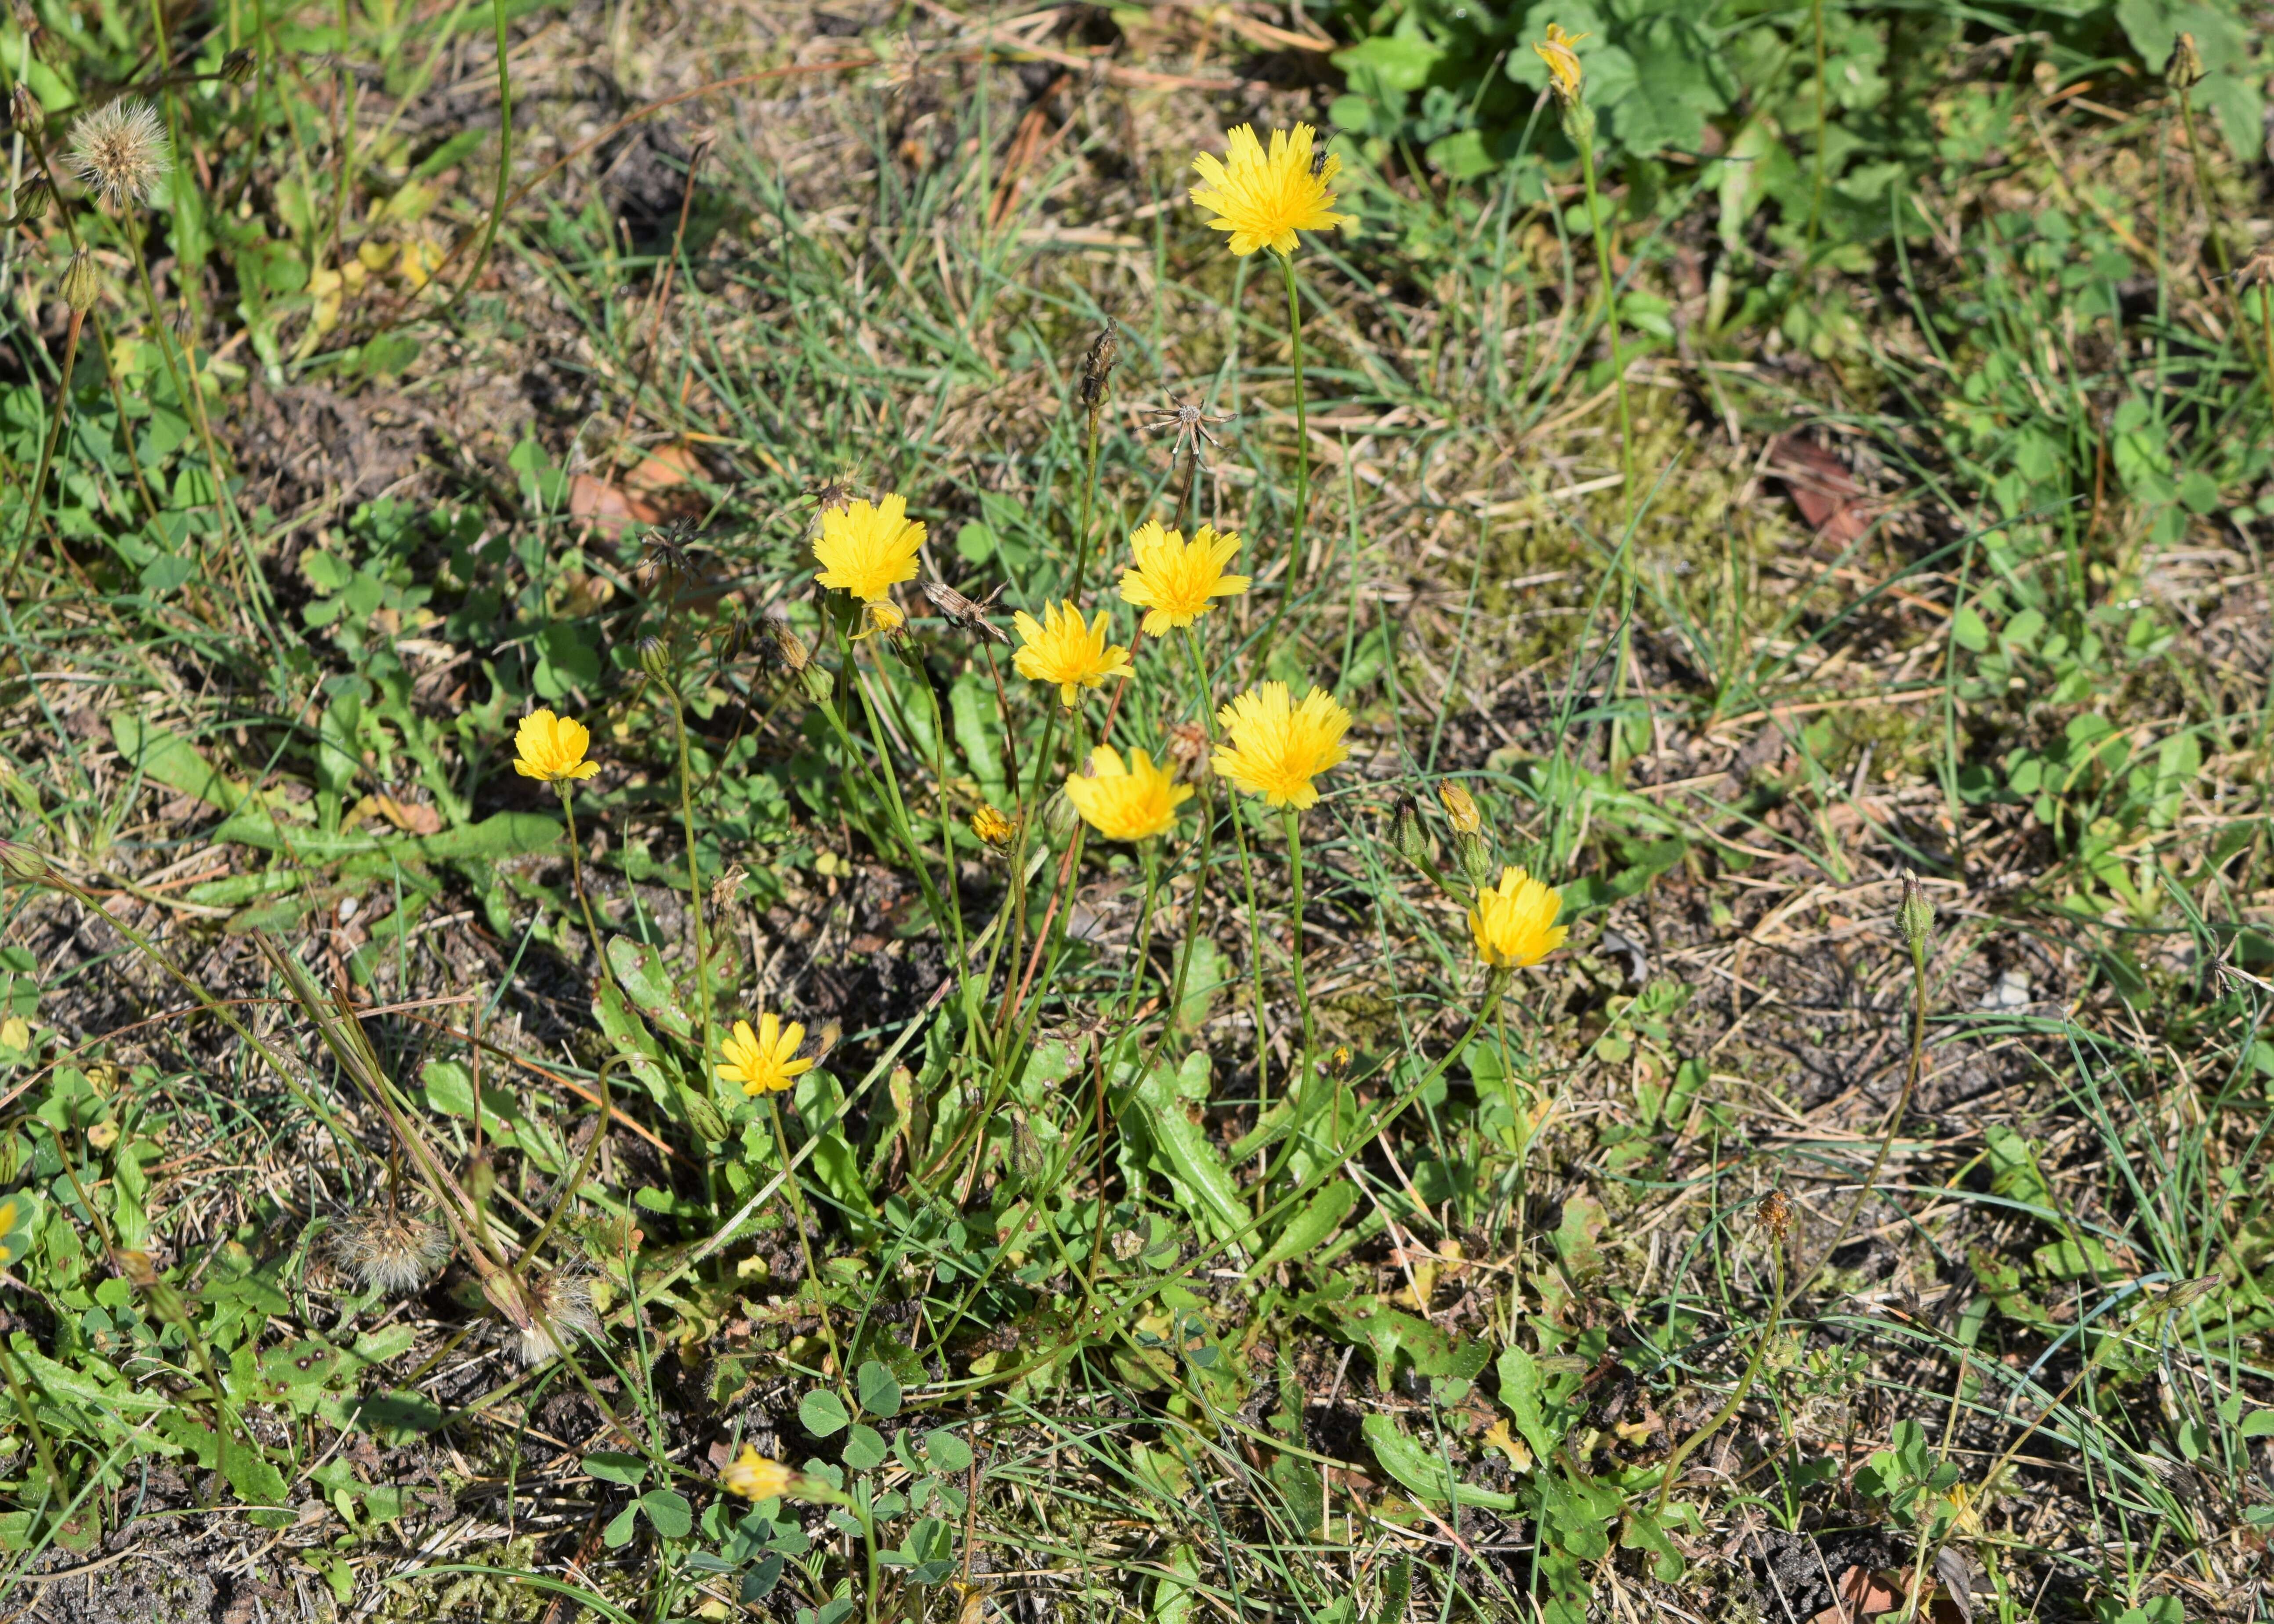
{"x": 953, "y": 884}
{"x": 32, "y": 508}
{"x": 796, "y": 1193}
{"x": 577, "y": 878}
{"x": 1293, "y": 822}
{"x": 1610, "y": 322}
{"x": 505, "y": 156}
{"x": 189, "y": 394}
{"x": 1088, "y": 491}
{"x": 2226, "y": 279}
{"x": 1196, "y": 650}
{"x": 1713, "y": 1423}
{"x": 694, "y": 879}
{"x": 1288, "y": 577}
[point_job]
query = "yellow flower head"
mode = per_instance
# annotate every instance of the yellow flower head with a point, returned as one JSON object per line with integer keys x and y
{"x": 753, "y": 1476}
{"x": 1061, "y": 649}
{"x": 1174, "y": 578}
{"x": 1461, "y": 807}
{"x": 1263, "y": 199}
{"x": 1132, "y": 802}
{"x": 764, "y": 1061}
{"x": 866, "y": 551}
{"x": 1514, "y": 923}
{"x": 548, "y": 748}
{"x": 1562, "y": 63}
{"x": 992, "y": 828}
{"x": 1278, "y": 747}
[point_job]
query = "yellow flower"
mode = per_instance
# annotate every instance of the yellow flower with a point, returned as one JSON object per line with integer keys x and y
{"x": 1063, "y": 650}
{"x": 764, "y": 1061}
{"x": 753, "y": 1476}
{"x": 1135, "y": 802}
{"x": 548, "y": 748}
{"x": 1264, "y": 201}
{"x": 1277, "y": 747}
{"x": 1461, "y": 807}
{"x": 1562, "y": 63}
{"x": 992, "y": 828}
{"x": 1514, "y": 923}
{"x": 1174, "y": 578}
{"x": 866, "y": 551}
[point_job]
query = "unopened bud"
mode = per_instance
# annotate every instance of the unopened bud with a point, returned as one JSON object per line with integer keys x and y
{"x": 32, "y": 197}
{"x": 655, "y": 658}
{"x": 26, "y": 864}
{"x": 1338, "y": 1064}
{"x": 1915, "y": 916}
{"x": 1477, "y": 862}
{"x": 239, "y": 66}
{"x": 1461, "y": 807}
{"x": 2186, "y": 67}
{"x": 1406, "y": 833}
{"x": 25, "y": 111}
{"x": 82, "y": 283}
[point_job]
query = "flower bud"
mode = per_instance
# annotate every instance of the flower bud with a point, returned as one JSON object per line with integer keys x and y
{"x": 1477, "y": 862}
{"x": 2186, "y": 67}
{"x": 1461, "y": 807}
{"x": 26, "y": 864}
{"x": 25, "y": 111}
{"x": 1915, "y": 917}
{"x": 1406, "y": 833}
{"x": 32, "y": 197}
{"x": 239, "y": 66}
{"x": 82, "y": 283}
{"x": 655, "y": 658}
{"x": 1060, "y": 818}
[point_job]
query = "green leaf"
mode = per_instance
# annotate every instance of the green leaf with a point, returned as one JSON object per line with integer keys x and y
{"x": 947, "y": 1453}
{"x": 1321, "y": 1215}
{"x": 864, "y": 1447}
{"x": 668, "y": 1510}
{"x": 502, "y": 835}
{"x": 170, "y": 759}
{"x": 978, "y": 734}
{"x": 1184, "y": 1151}
{"x": 1521, "y": 1392}
{"x": 2258, "y": 1424}
{"x": 879, "y": 1388}
{"x": 822, "y": 1413}
{"x": 1423, "y": 1470}
{"x": 610, "y": 1467}
{"x": 641, "y": 971}
{"x": 1387, "y": 1334}
{"x": 618, "y": 1532}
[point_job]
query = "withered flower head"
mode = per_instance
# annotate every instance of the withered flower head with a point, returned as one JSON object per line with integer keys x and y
{"x": 119, "y": 150}
{"x": 1187, "y": 752}
{"x": 968, "y": 613}
{"x": 389, "y": 1250}
{"x": 666, "y": 548}
{"x": 1774, "y": 1214}
{"x": 1096, "y": 366}
{"x": 727, "y": 890}
{"x": 25, "y": 111}
{"x": 544, "y": 1312}
{"x": 239, "y": 66}
{"x": 779, "y": 648}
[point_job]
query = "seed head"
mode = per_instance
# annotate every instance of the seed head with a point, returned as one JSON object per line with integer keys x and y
{"x": 780, "y": 649}
{"x": 119, "y": 150}
{"x": 1188, "y": 752}
{"x": 2186, "y": 67}
{"x": 1774, "y": 1214}
{"x": 239, "y": 66}
{"x": 558, "y": 1304}
{"x": 390, "y": 1251}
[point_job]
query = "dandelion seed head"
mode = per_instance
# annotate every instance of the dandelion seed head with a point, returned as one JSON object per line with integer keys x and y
{"x": 119, "y": 150}
{"x": 390, "y": 1251}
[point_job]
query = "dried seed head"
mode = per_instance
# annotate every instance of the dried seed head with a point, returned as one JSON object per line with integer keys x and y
{"x": 967, "y": 613}
{"x": 119, "y": 150}
{"x": 2258, "y": 269}
{"x": 25, "y": 111}
{"x": 1096, "y": 367}
{"x": 727, "y": 890}
{"x": 1188, "y": 752}
{"x": 1774, "y": 1214}
{"x": 558, "y": 1305}
{"x": 390, "y": 1251}
{"x": 2186, "y": 67}
{"x": 82, "y": 283}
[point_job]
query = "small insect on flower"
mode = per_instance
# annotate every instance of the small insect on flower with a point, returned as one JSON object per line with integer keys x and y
{"x": 1514, "y": 923}
{"x": 1060, "y": 648}
{"x": 753, "y": 1476}
{"x": 1277, "y": 746}
{"x": 968, "y": 613}
{"x": 1263, "y": 199}
{"x": 119, "y": 150}
{"x": 1173, "y": 580}
{"x": 549, "y": 747}
{"x": 390, "y": 1251}
{"x": 867, "y": 551}
{"x": 764, "y": 1061}
{"x": 992, "y": 828}
{"x": 1564, "y": 72}
{"x": 1132, "y": 801}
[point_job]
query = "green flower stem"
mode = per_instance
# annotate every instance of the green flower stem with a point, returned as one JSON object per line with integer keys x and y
{"x": 32, "y": 511}
{"x": 1148, "y": 853}
{"x": 1287, "y": 582}
{"x": 1738, "y": 1394}
{"x": 796, "y": 1192}
{"x": 939, "y": 787}
{"x": 1293, "y": 822}
{"x": 1610, "y": 321}
{"x": 887, "y": 781}
{"x": 2218, "y": 241}
{"x": 694, "y": 880}
{"x": 1088, "y": 496}
{"x": 577, "y": 874}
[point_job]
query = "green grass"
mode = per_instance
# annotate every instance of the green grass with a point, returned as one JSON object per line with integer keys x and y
{"x": 1073, "y": 1300}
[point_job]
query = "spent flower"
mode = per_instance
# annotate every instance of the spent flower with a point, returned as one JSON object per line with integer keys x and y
{"x": 1264, "y": 199}
{"x": 1564, "y": 72}
{"x": 119, "y": 150}
{"x": 1173, "y": 580}
{"x": 1277, "y": 746}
